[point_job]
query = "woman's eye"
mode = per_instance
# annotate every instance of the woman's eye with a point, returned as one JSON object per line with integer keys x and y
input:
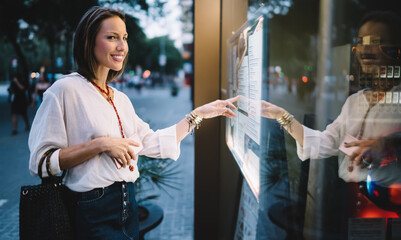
{"x": 111, "y": 37}
{"x": 125, "y": 38}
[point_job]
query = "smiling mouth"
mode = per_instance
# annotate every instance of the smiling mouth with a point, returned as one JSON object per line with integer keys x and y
{"x": 369, "y": 59}
{"x": 368, "y": 56}
{"x": 117, "y": 57}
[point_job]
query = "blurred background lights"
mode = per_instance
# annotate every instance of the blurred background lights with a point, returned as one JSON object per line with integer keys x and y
{"x": 146, "y": 74}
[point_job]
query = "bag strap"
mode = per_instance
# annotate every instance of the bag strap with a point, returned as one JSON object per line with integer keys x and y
{"x": 42, "y": 159}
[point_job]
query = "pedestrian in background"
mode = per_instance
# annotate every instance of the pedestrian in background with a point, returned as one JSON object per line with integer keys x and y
{"x": 19, "y": 102}
{"x": 97, "y": 133}
{"x": 40, "y": 89}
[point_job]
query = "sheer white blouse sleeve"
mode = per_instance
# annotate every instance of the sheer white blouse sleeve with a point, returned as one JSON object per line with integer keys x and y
{"x": 323, "y": 144}
{"x": 159, "y": 144}
{"x": 48, "y": 131}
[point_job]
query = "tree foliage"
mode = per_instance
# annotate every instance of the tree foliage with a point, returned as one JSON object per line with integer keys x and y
{"x": 10, "y": 14}
{"x": 56, "y": 21}
{"x": 154, "y": 49}
{"x": 49, "y": 32}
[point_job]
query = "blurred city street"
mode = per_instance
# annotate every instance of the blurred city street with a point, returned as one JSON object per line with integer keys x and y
{"x": 155, "y": 106}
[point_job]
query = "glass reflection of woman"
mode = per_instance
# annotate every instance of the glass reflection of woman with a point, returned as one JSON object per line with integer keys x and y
{"x": 89, "y": 124}
{"x": 364, "y": 114}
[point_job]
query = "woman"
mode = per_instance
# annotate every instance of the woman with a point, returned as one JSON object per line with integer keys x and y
{"x": 376, "y": 30}
{"x": 19, "y": 103}
{"x": 40, "y": 89}
{"x": 96, "y": 130}
{"x": 364, "y": 117}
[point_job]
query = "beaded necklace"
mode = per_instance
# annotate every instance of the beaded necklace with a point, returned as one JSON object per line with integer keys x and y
{"x": 371, "y": 104}
{"x": 110, "y": 100}
{"x": 364, "y": 122}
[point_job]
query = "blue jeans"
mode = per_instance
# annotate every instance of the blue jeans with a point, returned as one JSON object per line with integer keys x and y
{"x": 108, "y": 213}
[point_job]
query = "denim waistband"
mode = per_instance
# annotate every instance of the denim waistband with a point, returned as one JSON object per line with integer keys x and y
{"x": 113, "y": 187}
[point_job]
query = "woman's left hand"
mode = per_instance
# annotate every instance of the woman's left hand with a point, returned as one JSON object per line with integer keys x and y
{"x": 217, "y": 108}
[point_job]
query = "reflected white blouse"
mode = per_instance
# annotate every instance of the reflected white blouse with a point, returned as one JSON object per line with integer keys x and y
{"x": 74, "y": 112}
{"x": 382, "y": 119}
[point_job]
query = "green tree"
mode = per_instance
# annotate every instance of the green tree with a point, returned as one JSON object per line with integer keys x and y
{"x": 58, "y": 24}
{"x": 50, "y": 28}
{"x": 153, "y": 50}
{"x": 136, "y": 42}
{"x": 10, "y": 14}
{"x": 56, "y": 21}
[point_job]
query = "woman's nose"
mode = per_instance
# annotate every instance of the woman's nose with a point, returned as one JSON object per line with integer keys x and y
{"x": 121, "y": 45}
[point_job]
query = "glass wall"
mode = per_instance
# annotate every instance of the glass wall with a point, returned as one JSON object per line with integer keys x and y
{"x": 325, "y": 148}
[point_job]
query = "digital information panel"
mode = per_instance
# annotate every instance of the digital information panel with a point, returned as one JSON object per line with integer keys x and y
{"x": 244, "y": 77}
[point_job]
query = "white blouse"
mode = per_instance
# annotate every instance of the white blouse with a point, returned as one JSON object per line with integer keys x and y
{"x": 382, "y": 119}
{"x": 74, "y": 112}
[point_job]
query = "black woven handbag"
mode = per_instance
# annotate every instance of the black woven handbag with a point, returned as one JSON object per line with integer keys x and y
{"x": 44, "y": 208}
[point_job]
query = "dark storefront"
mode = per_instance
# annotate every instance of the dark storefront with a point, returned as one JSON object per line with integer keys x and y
{"x": 334, "y": 66}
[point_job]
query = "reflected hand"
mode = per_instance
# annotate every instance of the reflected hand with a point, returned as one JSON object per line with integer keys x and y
{"x": 360, "y": 155}
{"x": 269, "y": 110}
{"x": 217, "y": 108}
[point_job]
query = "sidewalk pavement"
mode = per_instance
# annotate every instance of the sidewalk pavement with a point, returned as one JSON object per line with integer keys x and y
{"x": 3, "y": 88}
{"x": 155, "y": 106}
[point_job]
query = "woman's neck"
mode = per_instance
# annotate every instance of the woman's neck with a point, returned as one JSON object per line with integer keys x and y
{"x": 101, "y": 77}
{"x": 100, "y": 83}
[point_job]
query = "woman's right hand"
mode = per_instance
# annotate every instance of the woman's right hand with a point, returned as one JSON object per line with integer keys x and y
{"x": 361, "y": 155}
{"x": 269, "y": 110}
{"x": 217, "y": 108}
{"x": 120, "y": 148}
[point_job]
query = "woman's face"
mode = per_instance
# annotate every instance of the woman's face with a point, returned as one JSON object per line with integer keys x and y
{"x": 111, "y": 46}
{"x": 371, "y": 36}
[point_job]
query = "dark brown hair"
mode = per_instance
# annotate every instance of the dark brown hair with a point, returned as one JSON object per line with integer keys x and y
{"x": 392, "y": 20}
{"x": 85, "y": 38}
